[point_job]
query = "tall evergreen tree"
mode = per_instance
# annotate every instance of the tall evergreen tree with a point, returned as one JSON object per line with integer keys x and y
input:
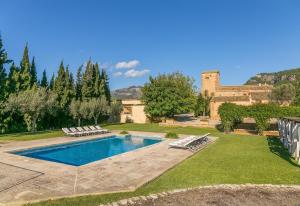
{"x": 105, "y": 81}
{"x": 97, "y": 88}
{"x": 3, "y": 77}
{"x": 68, "y": 89}
{"x": 51, "y": 84}
{"x": 13, "y": 83}
{"x": 33, "y": 74}
{"x": 59, "y": 84}
{"x": 44, "y": 81}
{"x": 88, "y": 89}
{"x": 78, "y": 86}
{"x": 25, "y": 75}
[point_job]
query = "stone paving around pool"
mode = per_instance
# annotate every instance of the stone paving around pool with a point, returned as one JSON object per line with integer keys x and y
{"x": 24, "y": 179}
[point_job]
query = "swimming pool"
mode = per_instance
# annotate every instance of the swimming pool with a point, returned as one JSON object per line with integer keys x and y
{"x": 84, "y": 152}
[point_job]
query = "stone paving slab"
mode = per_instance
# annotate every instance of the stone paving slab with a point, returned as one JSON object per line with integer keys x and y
{"x": 11, "y": 176}
{"x": 123, "y": 172}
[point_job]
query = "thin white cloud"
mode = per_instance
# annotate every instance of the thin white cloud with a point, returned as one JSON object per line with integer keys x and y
{"x": 136, "y": 73}
{"x": 117, "y": 74}
{"x": 127, "y": 65}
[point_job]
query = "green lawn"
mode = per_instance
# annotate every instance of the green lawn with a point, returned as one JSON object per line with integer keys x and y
{"x": 232, "y": 159}
{"x": 25, "y": 136}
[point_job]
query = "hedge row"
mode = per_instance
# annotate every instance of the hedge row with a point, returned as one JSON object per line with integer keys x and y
{"x": 232, "y": 114}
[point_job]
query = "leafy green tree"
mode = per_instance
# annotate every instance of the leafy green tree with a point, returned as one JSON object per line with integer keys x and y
{"x": 25, "y": 75}
{"x": 44, "y": 81}
{"x": 33, "y": 104}
{"x": 283, "y": 94}
{"x": 3, "y": 77}
{"x": 168, "y": 94}
{"x": 78, "y": 86}
{"x": 202, "y": 105}
{"x": 33, "y": 74}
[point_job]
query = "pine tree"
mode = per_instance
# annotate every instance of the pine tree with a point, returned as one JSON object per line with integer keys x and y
{"x": 44, "y": 81}
{"x": 51, "y": 84}
{"x": 25, "y": 75}
{"x": 78, "y": 86}
{"x": 59, "y": 84}
{"x": 105, "y": 81}
{"x": 88, "y": 81}
{"x": 13, "y": 83}
{"x": 33, "y": 72}
{"x": 68, "y": 89}
{"x": 3, "y": 77}
{"x": 97, "y": 82}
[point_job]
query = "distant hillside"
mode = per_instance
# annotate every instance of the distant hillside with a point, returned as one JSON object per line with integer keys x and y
{"x": 285, "y": 76}
{"x": 133, "y": 92}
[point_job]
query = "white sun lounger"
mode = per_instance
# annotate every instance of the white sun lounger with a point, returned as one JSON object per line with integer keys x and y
{"x": 99, "y": 128}
{"x": 183, "y": 143}
{"x": 80, "y": 129}
{"x": 68, "y": 132}
{"x": 86, "y": 128}
{"x": 74, "y": 130}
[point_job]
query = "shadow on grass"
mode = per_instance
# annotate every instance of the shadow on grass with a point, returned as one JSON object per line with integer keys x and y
{"x": 277, "y": 148}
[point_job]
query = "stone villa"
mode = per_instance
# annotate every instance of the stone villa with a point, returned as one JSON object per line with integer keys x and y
{"x": 241, "y": 95}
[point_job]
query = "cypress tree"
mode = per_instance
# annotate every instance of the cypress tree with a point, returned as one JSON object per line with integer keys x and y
{"x": 105, "y": 81}
{"x": 68, "y": 89}
{"x": 88, "y": 81}
{"x": 78, "y": 86}
{"x": 97, "y": 82}
{"x": 33, "y": 73}
{"x": 3, "y": 76}
{"x": 44, "y": 81}
{"x": 13, "y": 83}
{"x": 59, "y": 84}
{"x": 51, "y": 84}
{"x": 25, "y": 75}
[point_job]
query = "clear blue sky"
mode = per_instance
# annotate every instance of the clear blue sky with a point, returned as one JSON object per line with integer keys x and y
{"x": 238, "y": 37}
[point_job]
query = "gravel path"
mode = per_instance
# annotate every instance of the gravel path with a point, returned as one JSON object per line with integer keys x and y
{"x": 232, "y": 195}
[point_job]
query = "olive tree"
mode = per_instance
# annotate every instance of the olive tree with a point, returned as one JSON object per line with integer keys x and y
{"x": 115, "y": 110}
{"x": 33, "y": 104}
{"x": 97, "y": 107}
{"x": 283, "y": 94}
{"x": 76, "y": 110}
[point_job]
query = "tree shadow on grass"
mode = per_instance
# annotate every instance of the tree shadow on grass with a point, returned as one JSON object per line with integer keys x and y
{"x": 277, "y": 148}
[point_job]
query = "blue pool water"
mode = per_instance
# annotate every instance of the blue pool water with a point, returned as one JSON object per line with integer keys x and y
{"x": 83, "y": 152}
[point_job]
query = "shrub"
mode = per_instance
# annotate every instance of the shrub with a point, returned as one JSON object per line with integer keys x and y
{"x": 124, "y": 132}
{"x": 230, "y": 115}
{"x": 171, "y": 135}
{"x": 262, "y": 113}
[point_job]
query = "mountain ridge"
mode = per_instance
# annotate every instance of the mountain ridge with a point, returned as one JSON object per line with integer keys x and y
{"x": 132, "y": 92}
{"x": 275, "y": 78}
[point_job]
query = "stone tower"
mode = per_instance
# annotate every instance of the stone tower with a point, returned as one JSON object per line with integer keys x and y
{"x": 210, "y": 82}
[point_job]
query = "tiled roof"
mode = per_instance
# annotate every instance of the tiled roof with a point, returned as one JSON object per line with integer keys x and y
{"x": 231, "y": 99}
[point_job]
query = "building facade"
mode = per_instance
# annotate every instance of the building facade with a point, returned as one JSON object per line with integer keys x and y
{"x": 241, "y": 95}
{"x": 133, "y": 111}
